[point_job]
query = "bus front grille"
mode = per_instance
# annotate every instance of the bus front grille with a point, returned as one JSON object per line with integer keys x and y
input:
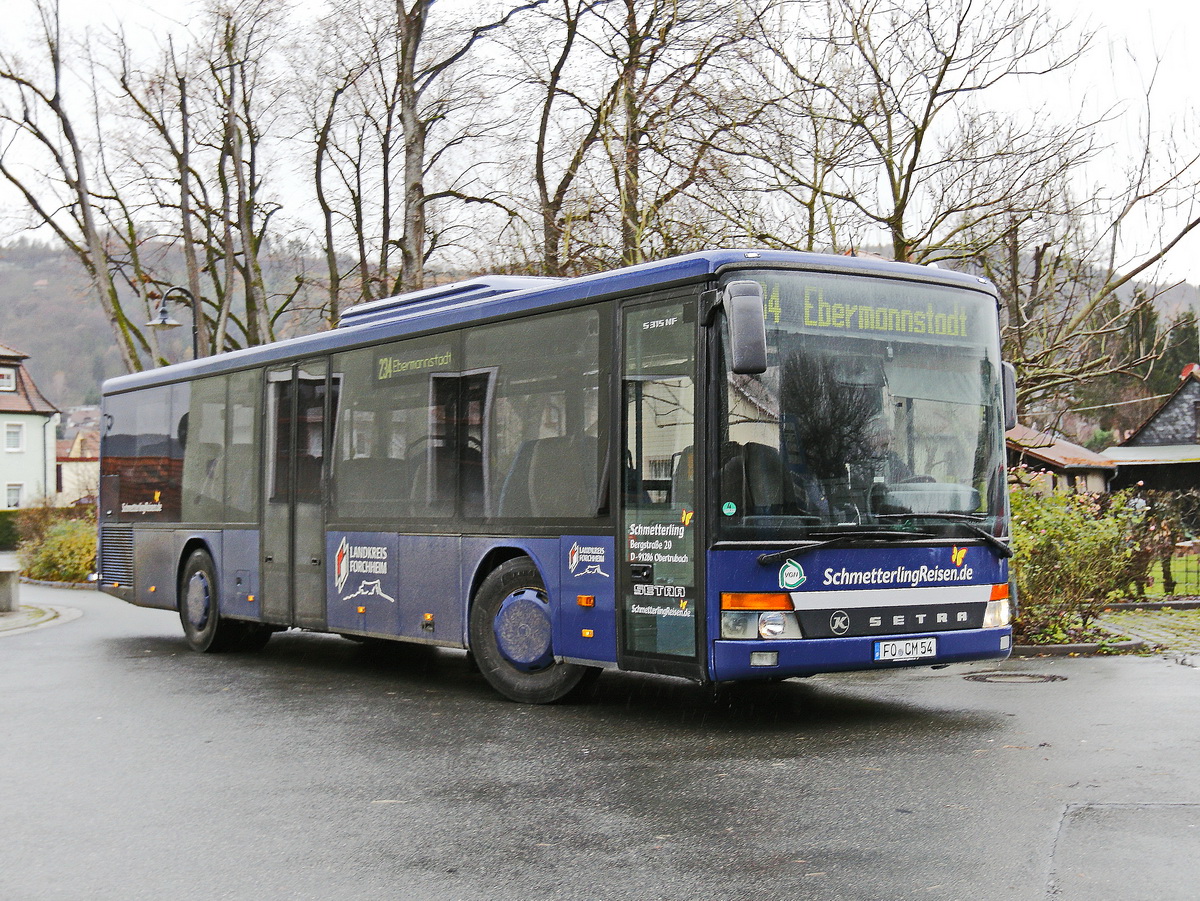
{"x": 116, "y": 555}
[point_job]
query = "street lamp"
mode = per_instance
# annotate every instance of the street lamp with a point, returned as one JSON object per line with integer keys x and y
{"x": 163, "y": 319}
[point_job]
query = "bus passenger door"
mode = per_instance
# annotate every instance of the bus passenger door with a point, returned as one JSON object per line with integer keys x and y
{"x": 294, "y": 484}
{"x": 660, "y": 610}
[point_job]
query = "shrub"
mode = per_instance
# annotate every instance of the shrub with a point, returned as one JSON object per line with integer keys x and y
{"x": 9, "y": 535}
{"x": 33, "y": 522}
{"x": 1074, "y": 553}
{"x": 65, "y": 553}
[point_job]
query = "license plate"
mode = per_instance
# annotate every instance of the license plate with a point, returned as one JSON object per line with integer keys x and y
{"x": 905, "y": 649}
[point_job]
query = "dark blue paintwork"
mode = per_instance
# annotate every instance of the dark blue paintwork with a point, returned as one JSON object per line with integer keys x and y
{"x": 359, "y": 600}
{"x": 238, "y": 571}
{"x": 591, "y": 578}
{"x": 740, "y": 571}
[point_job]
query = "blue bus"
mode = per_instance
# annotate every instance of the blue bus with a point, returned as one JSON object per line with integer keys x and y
{"x": 729, "y": 465}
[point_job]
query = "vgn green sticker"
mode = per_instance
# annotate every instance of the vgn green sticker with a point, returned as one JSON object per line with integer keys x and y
{"x": 791, "y": 575}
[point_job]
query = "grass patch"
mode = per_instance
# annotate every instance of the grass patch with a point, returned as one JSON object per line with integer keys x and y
{"x": 1186, "y": 571}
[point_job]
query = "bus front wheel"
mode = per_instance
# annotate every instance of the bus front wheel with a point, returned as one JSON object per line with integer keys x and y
{"x": 199, "y": 612}
{"x": 510, "y": 635}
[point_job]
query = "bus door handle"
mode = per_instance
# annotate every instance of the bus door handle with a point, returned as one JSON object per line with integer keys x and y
{"x": 316, "y": 561}
{"x": 641, "y": 573}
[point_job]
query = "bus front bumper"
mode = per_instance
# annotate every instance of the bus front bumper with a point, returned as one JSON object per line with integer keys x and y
{"x": 779, "y": 659}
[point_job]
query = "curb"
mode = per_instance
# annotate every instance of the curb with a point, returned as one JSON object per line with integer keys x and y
{"x": 1077, "y": 650}
{"x": 29, "y": 618}
{"x": 1150, "y": 605}
{"x": 76, "y": 586}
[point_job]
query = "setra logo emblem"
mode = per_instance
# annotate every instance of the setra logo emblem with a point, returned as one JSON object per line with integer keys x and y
{"x": 791, "y": 575}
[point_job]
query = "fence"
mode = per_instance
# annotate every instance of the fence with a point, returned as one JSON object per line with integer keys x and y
{"x": 1185, "y": 572}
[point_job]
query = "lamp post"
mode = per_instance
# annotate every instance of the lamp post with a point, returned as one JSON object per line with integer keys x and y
{"x": 163, "y": 319}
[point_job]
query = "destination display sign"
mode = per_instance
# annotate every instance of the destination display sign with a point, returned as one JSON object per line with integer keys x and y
{"x": 834, "y": 305}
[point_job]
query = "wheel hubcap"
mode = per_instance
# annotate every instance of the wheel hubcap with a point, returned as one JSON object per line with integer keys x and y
{"x": 523, "y": 630}
{"x": 198, "y": 600}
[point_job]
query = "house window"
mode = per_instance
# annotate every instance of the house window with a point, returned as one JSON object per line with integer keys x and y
{"x": 14, "y": 436}
{"x": 12, "y": 496}
{"x": 8, "y": 379}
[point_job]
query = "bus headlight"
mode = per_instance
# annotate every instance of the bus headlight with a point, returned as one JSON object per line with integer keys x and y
{"x": 737, "y": 625}
{"x": 771, "y": 625}
{"x": 997, "y": 614}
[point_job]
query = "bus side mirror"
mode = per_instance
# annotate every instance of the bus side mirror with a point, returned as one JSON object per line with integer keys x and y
{"x": 743, "y": 302}
{"x": 1010, "y": 395}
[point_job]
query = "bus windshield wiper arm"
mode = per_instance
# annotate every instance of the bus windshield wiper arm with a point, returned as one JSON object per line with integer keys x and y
{"x": 840, "y": 539}
{"x": 965, "y": 520}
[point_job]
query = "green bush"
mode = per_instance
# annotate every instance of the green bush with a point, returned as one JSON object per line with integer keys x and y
{"x": 9, "y": 535}
{"x": 66, "y": 553}
{"x": 1072, "y": 554}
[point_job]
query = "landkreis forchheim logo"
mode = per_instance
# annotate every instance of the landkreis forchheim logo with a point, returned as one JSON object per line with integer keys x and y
{"x": 341, "y": 565}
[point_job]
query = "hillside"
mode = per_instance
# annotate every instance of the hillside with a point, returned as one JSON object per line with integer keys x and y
{"x": 46, "y": 311}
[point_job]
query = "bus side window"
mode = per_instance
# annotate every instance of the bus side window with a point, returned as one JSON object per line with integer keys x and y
{"x": 392, "y": 459}
{"x": 541, "y": 417}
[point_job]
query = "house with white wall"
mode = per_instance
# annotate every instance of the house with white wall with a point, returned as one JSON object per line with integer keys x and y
{"x": 27, "y": 427}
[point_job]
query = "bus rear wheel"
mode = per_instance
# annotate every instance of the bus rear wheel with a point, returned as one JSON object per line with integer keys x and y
{"x": 510, "y": 635}
{"x": 199, "y": 612}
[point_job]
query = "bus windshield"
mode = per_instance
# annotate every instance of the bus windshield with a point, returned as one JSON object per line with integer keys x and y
{"x": 879, "y": 411}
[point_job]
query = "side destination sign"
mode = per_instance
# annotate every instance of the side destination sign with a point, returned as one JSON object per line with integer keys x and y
{"x": 397, "y": 361}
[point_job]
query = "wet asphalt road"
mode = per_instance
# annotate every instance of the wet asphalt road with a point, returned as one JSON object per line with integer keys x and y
{"x": 132, "y": 768}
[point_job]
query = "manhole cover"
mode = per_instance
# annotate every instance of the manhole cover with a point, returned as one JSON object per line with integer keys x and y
{"x": 1014, "y": 678}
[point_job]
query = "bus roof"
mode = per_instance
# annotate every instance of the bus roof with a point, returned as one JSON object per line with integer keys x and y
{"x": 497, "y": 297}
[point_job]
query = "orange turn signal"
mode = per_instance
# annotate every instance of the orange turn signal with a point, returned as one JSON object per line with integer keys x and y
{"x": 585, "y": 600}
{"x": 731, "y": 600}
{"x": 999, "y": 592}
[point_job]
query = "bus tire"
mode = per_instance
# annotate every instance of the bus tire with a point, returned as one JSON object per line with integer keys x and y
{"x": 535, "y": 678}
{"x": 199, "y": 613}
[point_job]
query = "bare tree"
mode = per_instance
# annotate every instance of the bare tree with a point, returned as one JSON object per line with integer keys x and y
{"x": 679, "y": 101}
{"x": 891, "y": 96}
{"x": 1080, "y": 275}
{"x": 572, "y": 101}
{"x": 36, "y": 114}
{"x": 395, "y": 101}
{"x": 198, "y": 125}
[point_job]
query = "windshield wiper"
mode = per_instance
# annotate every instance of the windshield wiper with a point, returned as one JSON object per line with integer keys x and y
{"x": 838, "y": 540}
{"x": 966, "y": 520}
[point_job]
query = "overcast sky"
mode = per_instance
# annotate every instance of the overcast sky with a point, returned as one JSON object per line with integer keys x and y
{"x": 1165, "y": 29}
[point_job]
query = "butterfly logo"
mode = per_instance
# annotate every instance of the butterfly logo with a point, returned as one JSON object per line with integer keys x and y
{"x": 957, "y": 555}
